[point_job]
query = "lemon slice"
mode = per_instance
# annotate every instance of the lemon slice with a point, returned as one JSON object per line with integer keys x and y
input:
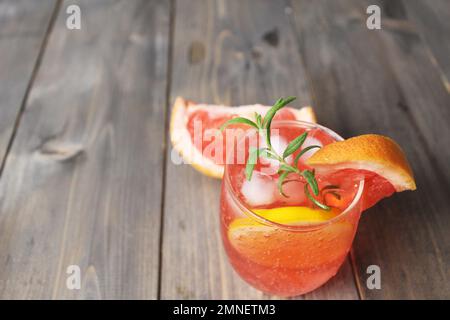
{"x": 276, "y": 247}
{"x": 287, "y": 215}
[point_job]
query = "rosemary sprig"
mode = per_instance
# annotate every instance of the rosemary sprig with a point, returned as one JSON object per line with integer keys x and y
{"x": 302, "y": 152}
{"x": 271, "y": 113}
{"x": 285, "y": 169}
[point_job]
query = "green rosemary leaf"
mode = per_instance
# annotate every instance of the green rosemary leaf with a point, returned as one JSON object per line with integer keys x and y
{"x": 297, "y": 158}
{"x": 258, "y": 120}
{"x": 284, "y": 167}
{"x": 288, "y": 100}
{"x": 266, "y": 153}
{"x": 313, "y": 200}
{"x": 271, "y": 113}
{"x": 239, "y": 120}
{"x": 294, "y": 145}
{"x": 309, "y": 176}
{"x": 252, "y": 158}
{"x": 281, "y": 179}
{"x": 277, "y": 106}
{"x": 291, "y": 180}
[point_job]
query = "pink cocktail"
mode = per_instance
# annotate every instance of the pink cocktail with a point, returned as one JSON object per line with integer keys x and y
{"x": 284, "y": 244}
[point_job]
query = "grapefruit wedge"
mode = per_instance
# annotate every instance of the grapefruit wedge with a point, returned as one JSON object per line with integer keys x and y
{"x": 188, "y": 117}
{"x": 378, "y": 159}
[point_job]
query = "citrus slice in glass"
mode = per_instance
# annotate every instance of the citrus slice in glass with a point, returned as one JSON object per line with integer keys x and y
{"x": 270, "y": 246}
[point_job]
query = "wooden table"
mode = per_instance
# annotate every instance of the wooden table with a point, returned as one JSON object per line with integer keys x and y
{"x": 86, "y": 171}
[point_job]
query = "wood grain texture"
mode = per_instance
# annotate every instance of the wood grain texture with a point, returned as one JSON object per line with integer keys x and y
{"x": 82, "y": 184}
{"x": 230, "y": 52}
{"x": 425, "y": 100}
{"x": 382, "y": 82}
{"x": 432, "y": 19}
{"x": 22, "y": 29}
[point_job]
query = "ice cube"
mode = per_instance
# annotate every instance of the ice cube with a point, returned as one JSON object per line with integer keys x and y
{"x": 294, "y": 190}
{"x": 260, "y": 190}
{"x": 278, "y": 143}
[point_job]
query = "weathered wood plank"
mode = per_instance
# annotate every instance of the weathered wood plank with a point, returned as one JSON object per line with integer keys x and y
{"x": 432, "y": 19}
{"x": 23, "y": 25}
{"x": 373, "y": 81}
{"x": 426, "y": 101}
{"x": 230, "y": 52}
{"x": 83, "y": 182}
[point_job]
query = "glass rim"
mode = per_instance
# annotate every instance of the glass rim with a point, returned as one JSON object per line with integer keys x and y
{"x": 297, "y": 227}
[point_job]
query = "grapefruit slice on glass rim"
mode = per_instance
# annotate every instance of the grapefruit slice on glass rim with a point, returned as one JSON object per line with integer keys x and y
{"x": 377, "y": 159}
{"x": 188, "y": 117}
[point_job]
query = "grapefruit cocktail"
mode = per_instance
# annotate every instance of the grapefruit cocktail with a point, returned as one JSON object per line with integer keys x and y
{"x": 283, "y": 243}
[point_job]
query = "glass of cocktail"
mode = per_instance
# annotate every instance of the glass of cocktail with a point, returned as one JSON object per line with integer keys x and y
{"x": 281, "y": 242}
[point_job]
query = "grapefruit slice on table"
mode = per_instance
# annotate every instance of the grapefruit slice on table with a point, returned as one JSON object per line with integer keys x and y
{"x": 378, "y": 159}
{"x": 183, "y": 121}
